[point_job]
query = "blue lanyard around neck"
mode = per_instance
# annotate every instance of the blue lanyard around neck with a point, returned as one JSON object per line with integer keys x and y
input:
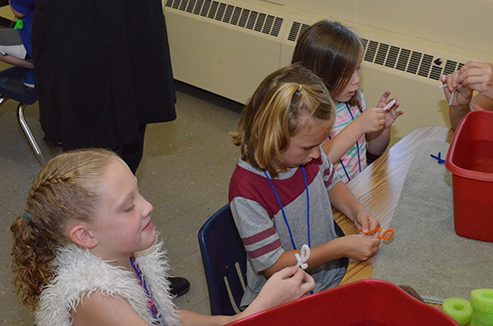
{"x": 284, "y": 214}
{"x": 153, "y": 311}
{"x": 357, "y": 148}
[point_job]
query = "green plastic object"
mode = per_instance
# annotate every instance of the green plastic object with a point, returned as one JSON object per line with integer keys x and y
{"x": 482, "y": 317}
{"x": 478, "y": 323}
{"x": 458, "y": 309}
{"x": 482, "y": 299}
{"x": 19, "y": 24}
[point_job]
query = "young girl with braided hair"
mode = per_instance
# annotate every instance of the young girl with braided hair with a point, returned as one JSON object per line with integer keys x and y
{"x": 283, "y": 189}
{"x": 85, "y": 251}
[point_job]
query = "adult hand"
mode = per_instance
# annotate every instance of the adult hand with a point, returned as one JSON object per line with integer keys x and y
{"x": 463, "y": 94}
{"x": 478, "y": 76}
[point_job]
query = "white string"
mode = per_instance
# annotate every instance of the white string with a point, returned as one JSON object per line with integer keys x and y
{"x": 305, "y": 254}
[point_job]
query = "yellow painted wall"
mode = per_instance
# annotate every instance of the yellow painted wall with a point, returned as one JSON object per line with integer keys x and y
{"x": 465, "y": 24}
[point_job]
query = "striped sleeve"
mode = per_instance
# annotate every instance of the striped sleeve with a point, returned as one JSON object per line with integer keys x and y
{"x": 258, "y": 233}
{"x": 329, "y": 174}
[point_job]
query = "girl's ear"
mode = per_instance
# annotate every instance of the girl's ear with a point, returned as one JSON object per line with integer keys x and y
{"x": 82, "y": 237}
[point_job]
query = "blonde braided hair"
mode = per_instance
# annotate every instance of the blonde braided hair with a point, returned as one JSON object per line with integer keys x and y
{"x": 65, "y": 189}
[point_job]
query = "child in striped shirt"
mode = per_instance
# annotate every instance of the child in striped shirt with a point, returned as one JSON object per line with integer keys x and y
{"x": 334, "y": 53}
{"x": 283, "y": 189}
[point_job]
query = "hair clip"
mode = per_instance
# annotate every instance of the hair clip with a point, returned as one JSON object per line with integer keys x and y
{"x": 299, "y": 88}
{"x": 26, "y": 217}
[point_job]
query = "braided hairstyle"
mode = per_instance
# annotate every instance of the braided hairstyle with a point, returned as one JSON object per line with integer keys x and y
{"x": 65, "y": 189}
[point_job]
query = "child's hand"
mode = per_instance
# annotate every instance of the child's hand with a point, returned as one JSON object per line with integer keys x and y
{"x": 384, "y": 100}
{"x": 366, "y": 222}
{"x": 372, "y": 120}
{"x": 361, "y": 247}
{"x": 392, "y": 113}
{"x": 288, "y": 284}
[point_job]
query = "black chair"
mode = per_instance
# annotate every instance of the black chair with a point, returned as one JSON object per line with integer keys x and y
{"x": 12, "y": 87}
{"x": 224, "y": 259}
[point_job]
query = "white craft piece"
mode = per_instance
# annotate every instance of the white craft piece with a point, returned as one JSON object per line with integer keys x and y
{"x": 305, "y": 254}
{"x": 452, "y": 97}
{"x": 388, "y": 106}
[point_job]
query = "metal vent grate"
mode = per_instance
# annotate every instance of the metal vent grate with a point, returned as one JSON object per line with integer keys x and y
{"x": 296, "y": 30}
{"x": 229, "y": 14}
{"x": 413, "y": 62}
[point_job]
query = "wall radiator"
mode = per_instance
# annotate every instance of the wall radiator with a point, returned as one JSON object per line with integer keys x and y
{"x": 228, "y": 48}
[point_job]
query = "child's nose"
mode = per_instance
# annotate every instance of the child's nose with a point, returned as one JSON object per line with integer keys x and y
{"x": 315, "y": 153}
{"x": 355, "y": 80}
{"x": 148, "y": 208}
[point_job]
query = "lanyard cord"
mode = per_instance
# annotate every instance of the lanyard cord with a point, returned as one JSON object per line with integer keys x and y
{"x": 357, "y": 144}
{"x": 284, "y": 214}
{"x": 357, "y": 149}
{"x": 154, "y": 313}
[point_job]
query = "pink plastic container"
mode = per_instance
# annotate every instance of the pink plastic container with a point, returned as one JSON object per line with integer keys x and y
{"x": 470, "y": 159}
{"x": 368, "y": 302}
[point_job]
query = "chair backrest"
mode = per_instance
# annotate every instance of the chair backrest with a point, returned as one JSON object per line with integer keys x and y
{"x": 224, "y": 259}
{"x": 11, "y": 86}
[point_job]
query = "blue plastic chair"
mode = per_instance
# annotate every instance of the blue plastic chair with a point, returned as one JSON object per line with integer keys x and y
{"x": 224, "y": 259}
{"x": 12, "y": 87}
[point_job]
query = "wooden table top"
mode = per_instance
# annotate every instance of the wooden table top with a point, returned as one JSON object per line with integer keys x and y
{"x": 379, "y": 187}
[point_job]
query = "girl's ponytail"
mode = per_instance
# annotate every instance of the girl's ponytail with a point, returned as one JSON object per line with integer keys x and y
{"x": 32, "y": 254}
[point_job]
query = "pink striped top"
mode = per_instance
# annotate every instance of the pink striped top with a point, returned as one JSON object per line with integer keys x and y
{"x": 354, "y": 161}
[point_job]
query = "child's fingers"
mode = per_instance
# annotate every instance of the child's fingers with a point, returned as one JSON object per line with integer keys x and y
{"x": 287, "y": 272}
{"x": 299, "y": 275}
{"x": 385, "y": 95}
{"x": 308, "y": 283}
{"x": 374, "y": 224}
{"x": 383, "y": 99}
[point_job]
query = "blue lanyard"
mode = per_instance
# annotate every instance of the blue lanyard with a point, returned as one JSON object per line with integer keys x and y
{"x": 357, "y": 148}
{"x": 153, "y": 311}
{"x": 284, "y": 214}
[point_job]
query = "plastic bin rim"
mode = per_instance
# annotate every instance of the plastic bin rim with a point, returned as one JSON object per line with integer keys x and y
{"x": 468, "y": 174}
{"x": 367, "y": 284}
{"x": 461, "y": 172}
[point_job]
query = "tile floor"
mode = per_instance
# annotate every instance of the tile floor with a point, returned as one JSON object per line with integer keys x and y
{"x": 184, "y": 173}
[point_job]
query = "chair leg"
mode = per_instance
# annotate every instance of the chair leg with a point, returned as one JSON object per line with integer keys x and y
{"x": 29, "y": 135}
{"x": 3, "y": 99}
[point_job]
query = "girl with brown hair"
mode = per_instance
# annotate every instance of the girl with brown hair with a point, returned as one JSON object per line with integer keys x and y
{"x": 334, "y": 53}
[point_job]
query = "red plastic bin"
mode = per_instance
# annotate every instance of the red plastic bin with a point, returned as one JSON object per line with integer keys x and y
{"x": 470, "y": 159}
{"x": 368, "y": 302}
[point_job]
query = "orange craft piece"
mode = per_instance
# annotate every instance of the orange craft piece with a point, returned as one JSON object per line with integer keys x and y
{"x": 385, "y": 237}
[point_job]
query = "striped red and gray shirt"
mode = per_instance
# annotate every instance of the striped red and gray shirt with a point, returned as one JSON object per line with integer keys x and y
{"x": 261, "y": 224}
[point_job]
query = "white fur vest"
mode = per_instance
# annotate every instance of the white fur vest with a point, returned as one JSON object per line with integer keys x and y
{"x": 80, "y": 273}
